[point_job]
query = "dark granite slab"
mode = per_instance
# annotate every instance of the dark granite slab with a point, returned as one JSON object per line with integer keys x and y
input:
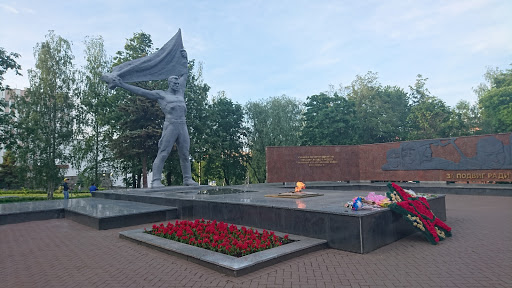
{"x": 11, "y": 213}
{"x": 323, "y": 217}
{"x": 93, "y": 212}
{"x": 226, "y": 264}
{"x": 442, "y": 188}
{"x": 105, "y": 214}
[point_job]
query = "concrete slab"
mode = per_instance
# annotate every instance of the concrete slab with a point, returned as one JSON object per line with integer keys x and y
{"x": 229, "y": 265}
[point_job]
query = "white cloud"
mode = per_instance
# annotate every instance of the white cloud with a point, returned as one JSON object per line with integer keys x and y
{"x": 28, "y": 11}
{"x": 455, "y": 8}
{"x": 491, "y": 39}
{"x": 9, "y": 9}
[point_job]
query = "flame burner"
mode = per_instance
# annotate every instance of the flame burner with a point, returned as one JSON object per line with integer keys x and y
{"x": 299, "y": 186}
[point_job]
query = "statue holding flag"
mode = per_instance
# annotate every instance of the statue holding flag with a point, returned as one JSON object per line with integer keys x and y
{"x": 171, "y": 63}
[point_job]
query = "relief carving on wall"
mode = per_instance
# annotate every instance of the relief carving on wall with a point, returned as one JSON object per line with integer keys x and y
{"x": 491, "y": 153}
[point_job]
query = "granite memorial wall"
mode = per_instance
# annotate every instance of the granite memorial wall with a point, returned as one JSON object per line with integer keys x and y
{"x": 476, "y": 159}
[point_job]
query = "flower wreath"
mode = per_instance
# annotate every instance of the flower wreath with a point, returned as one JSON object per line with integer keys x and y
{"x": 417, "y": 211}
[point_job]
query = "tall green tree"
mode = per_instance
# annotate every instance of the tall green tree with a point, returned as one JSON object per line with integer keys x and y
{"x": 136, "y": 119}
{"x": 465, "y": 119}
{"x": 138, "y": 137}
{"x": 429, "y": 116}
{"x": 91, "y": 151}
{"x": 226, "y": 159}
{"x": 419, "y": 92}
{"x": 495, "y": 101}
{"x": 381, "y": 112}
{"x": 276, "y": 121}
{"x": 45, "y": 123}
{"x": 393, "y": 116}
{"x": 429, "y": 119}
{"x": 328, "y": 120}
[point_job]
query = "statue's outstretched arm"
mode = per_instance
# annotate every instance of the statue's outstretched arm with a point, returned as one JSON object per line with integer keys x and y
{"x": 152, "y": 95}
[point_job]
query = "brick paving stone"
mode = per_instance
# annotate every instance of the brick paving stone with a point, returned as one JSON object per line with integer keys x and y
{"x": 62, "y": 253}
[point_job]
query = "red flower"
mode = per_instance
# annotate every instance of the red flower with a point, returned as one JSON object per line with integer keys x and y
{"x": 219, "y": 236}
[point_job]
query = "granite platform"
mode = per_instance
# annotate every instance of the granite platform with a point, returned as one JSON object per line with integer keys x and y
{"x": 229, "y": 265}
{"x": 97, "y": 213}
{"x": 419, "y": 187}
{"x": 322, "y": 217}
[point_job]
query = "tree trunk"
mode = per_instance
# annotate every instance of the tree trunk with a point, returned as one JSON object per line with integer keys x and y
{"x": 200, "y": 170}
{"x": 96, "y": 153}
{"x": 144, "y": 172}
{"x": 168, "y": 177}
{"x": 49, "y": 190}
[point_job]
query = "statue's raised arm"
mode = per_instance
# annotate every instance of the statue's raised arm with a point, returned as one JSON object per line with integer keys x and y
{"x": 167, "y": 61}
{"x": 116, "y": 81}
{"x": 184, "y": 76}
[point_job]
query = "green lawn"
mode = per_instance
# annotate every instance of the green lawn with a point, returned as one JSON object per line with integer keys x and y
{"x": 23, "y": 196}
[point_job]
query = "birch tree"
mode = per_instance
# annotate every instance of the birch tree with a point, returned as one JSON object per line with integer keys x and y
{"x": 46, "y": 113}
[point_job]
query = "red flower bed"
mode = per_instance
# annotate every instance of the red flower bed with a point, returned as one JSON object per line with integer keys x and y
{"x": 219, "y": 236}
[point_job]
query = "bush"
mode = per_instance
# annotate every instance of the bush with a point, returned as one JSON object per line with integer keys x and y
{"x": 22, "y": 191}
{"x": 24, "y": 197}
{"x": 21, "y": 199}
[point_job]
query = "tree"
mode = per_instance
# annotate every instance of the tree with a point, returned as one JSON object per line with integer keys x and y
{"x": 8, "y": 62}
{"x": 136, "y": 120}
{"x": 429, "y": 119}
{"x": 429, "y": 116}
{"x": 419, "y": 91}
{"x": 45, "y": 123}
{"x": 495, "y": 101}
{"x": 328, "y": 120}
{"x": 225, "y": 160}
{"x": 465, "y": 119}
{"x": 9, "y": 172}
{"x": 276, "y": 121}
{"x": 394, "y": 109}
{"x": 139, "y": 132}
{"x": 92, "y": 134}
{"x": 381, "y": 112}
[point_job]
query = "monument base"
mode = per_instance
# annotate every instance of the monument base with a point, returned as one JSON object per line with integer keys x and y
{"x": 323, "y": 217}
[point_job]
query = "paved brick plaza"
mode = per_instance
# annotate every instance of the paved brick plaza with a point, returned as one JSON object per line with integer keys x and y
{"x": 62, "y": 253}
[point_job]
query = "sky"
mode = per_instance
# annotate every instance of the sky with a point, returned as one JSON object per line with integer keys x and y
{"x": 254, "y": 50}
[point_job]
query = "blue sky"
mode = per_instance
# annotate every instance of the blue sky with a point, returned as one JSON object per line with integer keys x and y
{"x": 254, "y": 50}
